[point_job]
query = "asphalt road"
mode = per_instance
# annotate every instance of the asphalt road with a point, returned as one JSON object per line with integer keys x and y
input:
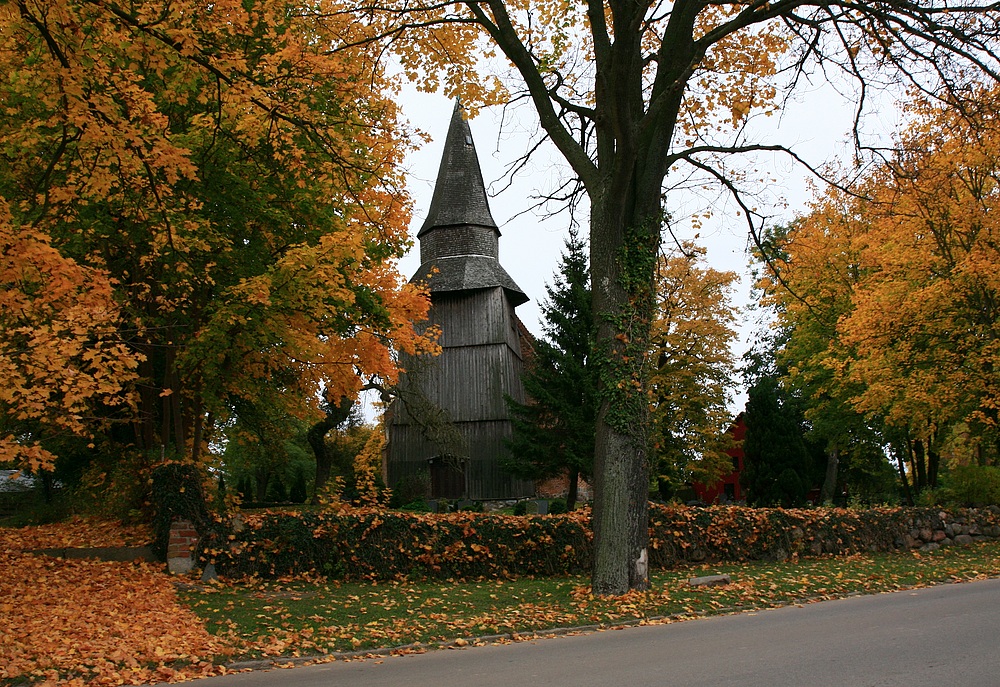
{"x": 943, "y": 636}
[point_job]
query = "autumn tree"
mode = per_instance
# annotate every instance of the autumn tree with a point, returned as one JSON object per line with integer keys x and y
{"x": 887, "y": 293}
{"x": 61, "y": 357}
{"x": 922, "y": 337}
{"x": 631, "y": 91}
{"x": 220, "y": 184}
{"x": 692, "y": 368}
{"x": 807, "y": 274}
{"x": 554, "y": 432}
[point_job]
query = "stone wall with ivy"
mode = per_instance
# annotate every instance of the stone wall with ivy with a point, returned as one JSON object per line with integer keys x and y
{"x": 386, "y": 545}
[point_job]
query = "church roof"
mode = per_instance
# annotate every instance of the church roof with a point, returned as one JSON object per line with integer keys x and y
{"x": 467, "y": 273}
{"x": 461, "y": 254}
{"x": 459, "y": 194}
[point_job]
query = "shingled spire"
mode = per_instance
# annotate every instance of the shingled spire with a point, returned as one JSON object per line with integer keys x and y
{"x": 459, "y": 241}
{"x": 459, "y": 194}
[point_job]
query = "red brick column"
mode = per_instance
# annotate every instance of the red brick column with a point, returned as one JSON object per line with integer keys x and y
{"x": 180, "y": 547}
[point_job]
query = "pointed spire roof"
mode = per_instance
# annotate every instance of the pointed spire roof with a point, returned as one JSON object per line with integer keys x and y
{"x": 459, "y": 194}
{"x": 459, "y": 241}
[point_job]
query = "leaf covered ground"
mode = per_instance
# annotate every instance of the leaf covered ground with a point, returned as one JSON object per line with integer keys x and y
{"x": 93, "y": 622}
{"x": 86, "y": 622}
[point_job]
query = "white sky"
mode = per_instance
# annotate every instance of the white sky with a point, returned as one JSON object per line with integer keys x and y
{"x": 816, "y": 127}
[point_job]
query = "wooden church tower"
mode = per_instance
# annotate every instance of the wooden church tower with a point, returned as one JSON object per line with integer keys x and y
{"x": 449, "y": 423}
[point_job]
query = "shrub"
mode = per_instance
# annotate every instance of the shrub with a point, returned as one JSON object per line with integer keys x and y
{"x": 971, "y": 485}
{"x": 557, "y": 506}
{"x": 417, "y": 506}
{"x": 245, "y": 488}
{"x": 276, "y": 492}
{"x": 410, "y": 488}
{"x": 521, "y": 508}
{"x": 369, "y": 544}
{"x": 298, "y": 492}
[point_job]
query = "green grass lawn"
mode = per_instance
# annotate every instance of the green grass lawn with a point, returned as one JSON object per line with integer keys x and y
{"x": 307, "y": 618}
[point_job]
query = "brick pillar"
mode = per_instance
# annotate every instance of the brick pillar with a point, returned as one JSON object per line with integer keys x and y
{"x": 180, "y": 547}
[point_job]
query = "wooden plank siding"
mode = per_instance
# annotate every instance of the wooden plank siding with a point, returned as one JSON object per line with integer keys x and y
{"x": 483, "y": 477}
{"x": 469, "y": 382}
{"x": 480, "y": 363}
{"x": 475, "y": 318}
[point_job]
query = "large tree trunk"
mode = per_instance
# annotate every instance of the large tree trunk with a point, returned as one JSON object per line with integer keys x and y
{"x": 623, "y": 176}
{"x": 623, "y": 256}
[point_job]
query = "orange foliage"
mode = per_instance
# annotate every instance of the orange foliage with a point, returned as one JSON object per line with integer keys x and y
{"x": 691, "y": 367}
{"x": 59, "y": 349}
{"x": 229, "y": 176}
{"x": 894, "y": 287}
{"x": 87, "y": 622}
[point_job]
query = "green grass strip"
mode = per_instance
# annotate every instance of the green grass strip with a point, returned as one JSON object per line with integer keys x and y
{"x": 314, "y": 618}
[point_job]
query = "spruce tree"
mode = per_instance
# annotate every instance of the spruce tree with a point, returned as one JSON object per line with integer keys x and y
{"x": 554, "y": 430}
{"x": 780, "y": 467}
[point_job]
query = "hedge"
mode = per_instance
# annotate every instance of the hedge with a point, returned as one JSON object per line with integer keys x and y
{"x": 380, "y": 545}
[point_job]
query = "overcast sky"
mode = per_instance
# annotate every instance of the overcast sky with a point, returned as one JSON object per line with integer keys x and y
{"x": 530, "y": 245}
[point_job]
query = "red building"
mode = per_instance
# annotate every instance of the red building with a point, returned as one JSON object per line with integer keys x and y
{"x": 727, "y": 490}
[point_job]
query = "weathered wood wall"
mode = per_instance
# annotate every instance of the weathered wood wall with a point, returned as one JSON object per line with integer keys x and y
{"x": 480, "y": 363}
{"x": 484, "y": 479}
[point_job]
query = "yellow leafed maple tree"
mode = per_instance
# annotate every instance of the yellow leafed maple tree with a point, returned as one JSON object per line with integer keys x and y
{"x": 892, "y": 289}
{"x": 692, "y": 369}
{"x": 222, "y": 181}
{"x": 59, "y": 345}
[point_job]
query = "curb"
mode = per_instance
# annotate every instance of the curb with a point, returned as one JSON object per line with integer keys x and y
{"x": 461, "y": 642}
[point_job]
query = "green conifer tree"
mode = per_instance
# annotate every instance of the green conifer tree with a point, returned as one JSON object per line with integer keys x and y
{"x": 780, "y": 467}
{"x": 554, "y": 431}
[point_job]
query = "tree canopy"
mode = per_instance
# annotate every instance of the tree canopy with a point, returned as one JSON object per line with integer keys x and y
{"x": 214, "y": 193}
{"x": 887, "y": 293}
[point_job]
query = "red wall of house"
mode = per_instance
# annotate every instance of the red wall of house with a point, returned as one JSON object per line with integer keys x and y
{"x": 727, "y": 490}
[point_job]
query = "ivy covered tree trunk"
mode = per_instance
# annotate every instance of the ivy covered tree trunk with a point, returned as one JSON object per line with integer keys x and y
{"x": 624, "y": 246}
